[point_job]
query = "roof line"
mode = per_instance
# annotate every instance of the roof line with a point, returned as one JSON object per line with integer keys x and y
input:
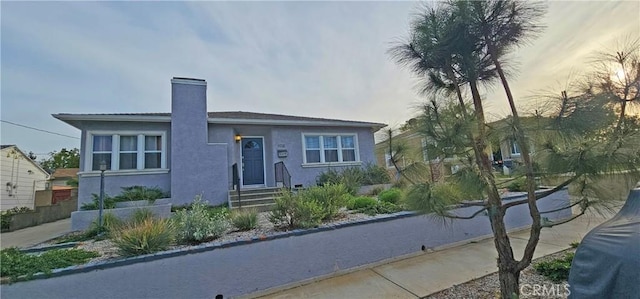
{"x": 165, "y": 118}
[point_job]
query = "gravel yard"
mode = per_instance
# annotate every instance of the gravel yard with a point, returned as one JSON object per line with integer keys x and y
{"x": 489, "y": 287}
{"x": 483, "y": 287}
{"x": 108, "y": 251}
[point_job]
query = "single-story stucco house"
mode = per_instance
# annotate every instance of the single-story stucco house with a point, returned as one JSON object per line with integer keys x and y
{"x": 191, "y": 151}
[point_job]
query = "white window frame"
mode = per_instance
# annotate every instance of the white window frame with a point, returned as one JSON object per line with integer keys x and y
{"x": 425, "y": 154}
{"x": 322, "y": 149}
{"x": 115, "y": 150}
{"x": 515, "y": 149}
{"x": 387, "y": 160}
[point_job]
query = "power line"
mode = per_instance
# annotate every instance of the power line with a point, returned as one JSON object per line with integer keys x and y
{"x": 36, "y": 129}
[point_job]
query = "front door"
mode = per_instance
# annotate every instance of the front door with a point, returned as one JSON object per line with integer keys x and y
{"x": 252, "y": 161}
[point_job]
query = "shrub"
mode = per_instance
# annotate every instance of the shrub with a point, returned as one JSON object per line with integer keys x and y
{"x": 108, "y": 202}
{"x": 197, "y": 224}
{"x": 6, "y": 216}
{"x": 16, "y": 263}
{"x": 374, "y": 174}
{"x": 331, "y": 197}
{"x": 383, "y": 207}
{"x": 293, "y": 210}
{"x": 140, "y": 215}
{"x": 149, "y": 236}
{"x": 361, "y": 202}
{"x": 328, "y": 177}
{"x": 556, "y": 270}
{"x": 221, "y": 211}
{"x": 351, "y": 178}
{"x": 375, "y": 191}
{"x": 245, "y": 219}
{"x": 392, "y": 195}
{"x": 371, "y": 206}
{"x": 130, "y": 193}
{"x": 518, "y": 185}
{"x": 133, "y": 193}
{"x": 110, "y": 222}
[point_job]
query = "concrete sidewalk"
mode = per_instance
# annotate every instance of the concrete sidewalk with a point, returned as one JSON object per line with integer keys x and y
{"x": 428, "y": 273}
{"x": 34, "y": 235}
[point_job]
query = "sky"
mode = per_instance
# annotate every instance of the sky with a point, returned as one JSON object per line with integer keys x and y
{"x": 318, "y": 59}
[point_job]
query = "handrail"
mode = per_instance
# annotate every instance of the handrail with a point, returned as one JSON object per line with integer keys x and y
{"x": 282, "y": 175}
{"x": 236, "y": 181}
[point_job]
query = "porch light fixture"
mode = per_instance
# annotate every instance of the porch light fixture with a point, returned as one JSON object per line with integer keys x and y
{"x": 238, "y": 138}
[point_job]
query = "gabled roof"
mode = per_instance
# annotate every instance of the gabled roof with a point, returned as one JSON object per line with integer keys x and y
{"x": 26, "y": 157}
{"x": 222, "y": 117}
{"x": 65, "y": 173}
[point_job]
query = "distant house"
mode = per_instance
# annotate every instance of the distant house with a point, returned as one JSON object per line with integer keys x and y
{"x": 191, "y": 151}
{"x": 435, "y": 166}
{"x": 61, "y": 176}
{"x": 20, "y": 178}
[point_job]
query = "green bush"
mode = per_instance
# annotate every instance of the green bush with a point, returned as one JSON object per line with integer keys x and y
{"x": 556, "y": 270}
{"x": 245, "y": 219}
{"x": 351, "y": 178}
{"x": 371, "y": 206}
{"x": 293, "y": 210}
{"x": 149, "y": 236}
{"x": 131, "y": 193}
{"x": 361, "y": 202}
{"x": 392, "y": 195}
{"x": 354, "y": 177}
{"x": 5, "y": 216}
{"x": 383, "y": 207}
{"x": 328, "y": 177}
{"x": 108, "y": 202}
{"x": 110, "y": 222}
{"x": 331, "y": 197}
{"x": 140, "y": 215}
{"x": 15, "y": 263}
{"x": 518, "y": 185}
{"x": 374, "y": 174}
{"x": 197, "y": 224}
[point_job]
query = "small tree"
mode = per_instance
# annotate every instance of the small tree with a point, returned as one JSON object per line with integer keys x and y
{"x": 461, "y": 44}
{"x": 63, "y": 159}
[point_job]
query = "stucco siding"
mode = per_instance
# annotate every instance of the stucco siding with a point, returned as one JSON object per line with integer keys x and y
{"x": 290, "y": 139}
{"x": 113, "y": 183}
{"x": 116, "y": 128}
{"x": 89, "y": 181}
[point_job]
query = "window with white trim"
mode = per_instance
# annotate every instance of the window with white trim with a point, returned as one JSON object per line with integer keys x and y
{"x": 330, "y": 148}
{"x": 128, "y": 151}
{"x": 102, "y": 147}
{"x": 388, "y": 159}
{"x": 515, "y": 148}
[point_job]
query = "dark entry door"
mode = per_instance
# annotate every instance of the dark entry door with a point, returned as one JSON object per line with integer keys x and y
{"x": 252, "y": 161}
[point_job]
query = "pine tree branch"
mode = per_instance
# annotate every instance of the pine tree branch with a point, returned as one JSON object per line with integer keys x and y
{"x": 540, "y": 195}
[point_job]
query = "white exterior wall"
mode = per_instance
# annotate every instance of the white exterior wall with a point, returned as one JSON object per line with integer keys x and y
{"x": 17, "y": 170}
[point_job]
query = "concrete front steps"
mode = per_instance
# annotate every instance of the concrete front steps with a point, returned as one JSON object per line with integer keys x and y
{"x": 261, "y": 199}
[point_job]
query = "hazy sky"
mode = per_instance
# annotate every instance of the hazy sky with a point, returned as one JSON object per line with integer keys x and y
{"x": 321, "y": 59}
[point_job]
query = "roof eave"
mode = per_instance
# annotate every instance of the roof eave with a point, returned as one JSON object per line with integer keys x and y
{"x": 73, "y": 119}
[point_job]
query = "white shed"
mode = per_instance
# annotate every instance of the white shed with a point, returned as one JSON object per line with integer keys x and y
{"x": 20, "y": 178}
